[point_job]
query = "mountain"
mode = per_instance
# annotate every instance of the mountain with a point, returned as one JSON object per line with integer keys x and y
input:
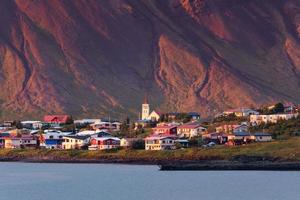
{"x": 99, "y": 58}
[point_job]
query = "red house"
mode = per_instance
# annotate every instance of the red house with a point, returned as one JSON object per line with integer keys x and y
{"x": 102, "y": 143}
{"x": 57, "y": 119}
{"x": 165, "y": 130}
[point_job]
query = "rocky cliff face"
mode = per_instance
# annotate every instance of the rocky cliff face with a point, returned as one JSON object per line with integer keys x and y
{"x": 97, "y": 58}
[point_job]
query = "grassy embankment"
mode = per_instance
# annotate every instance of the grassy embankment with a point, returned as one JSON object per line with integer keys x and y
{"x": 282, "y": 149}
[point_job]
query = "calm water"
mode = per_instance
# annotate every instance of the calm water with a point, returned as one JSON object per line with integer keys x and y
{"x": 27, "y": 181}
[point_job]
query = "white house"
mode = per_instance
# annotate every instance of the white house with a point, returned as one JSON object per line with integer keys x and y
{"x": 160, "y": 143}
{"x": 75, "y": 141}
{"x": 32, "y": 124}
{"x": 273, "y": 118}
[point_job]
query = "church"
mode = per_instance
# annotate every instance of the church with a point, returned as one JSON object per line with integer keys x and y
{"x": 146, "y": 115}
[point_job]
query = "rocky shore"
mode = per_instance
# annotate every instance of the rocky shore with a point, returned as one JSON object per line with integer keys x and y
{"x": 236, "y": 163}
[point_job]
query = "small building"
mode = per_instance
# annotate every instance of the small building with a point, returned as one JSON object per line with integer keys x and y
{"x": 75, "y": 142}
{"x": 190, "y": 130}
{"x": 111, "y": 126}
{"x": 29, "y": 141}
{"x": 86, "y": 121}
{"x": 238, "y": 138}
{"x": 194, "y": 115}
{"x": 165, "y": 130}
{"x": 230, "y": 128}
{"x": 104, "y": 143}
{"x": 128, "y": 142}
{"x": 32, "y": 124}
{"x": 12, "y": 142}
{"x": 216, "y": 137}
{"x": 263, "y": 137}
{"x": 160, "y": 143}
{"x": 57, "y": 119}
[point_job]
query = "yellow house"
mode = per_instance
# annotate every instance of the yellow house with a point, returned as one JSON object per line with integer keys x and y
{"x": 75, "y": 141}
{"x": 154, "y": 116}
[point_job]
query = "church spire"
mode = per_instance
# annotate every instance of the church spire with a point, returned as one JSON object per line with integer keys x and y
{"x": 146, "y": 99}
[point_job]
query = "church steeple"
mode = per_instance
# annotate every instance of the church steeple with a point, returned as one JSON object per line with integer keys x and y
{"x": 145, "y": 109}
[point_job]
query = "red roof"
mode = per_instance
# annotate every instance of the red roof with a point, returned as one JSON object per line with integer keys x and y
{"x": 56, "y": 118}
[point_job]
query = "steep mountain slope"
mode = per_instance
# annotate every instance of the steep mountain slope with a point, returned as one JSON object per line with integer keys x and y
{"x": 99, "y": 58}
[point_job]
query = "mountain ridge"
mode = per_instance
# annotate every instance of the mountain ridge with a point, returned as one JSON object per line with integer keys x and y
{"x": 98, "y": 58}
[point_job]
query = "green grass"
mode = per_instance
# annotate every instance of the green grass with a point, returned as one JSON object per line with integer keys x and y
{"x": 282, "y": 149}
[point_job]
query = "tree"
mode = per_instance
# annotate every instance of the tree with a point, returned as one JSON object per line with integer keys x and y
{"x": 278, "y": 108}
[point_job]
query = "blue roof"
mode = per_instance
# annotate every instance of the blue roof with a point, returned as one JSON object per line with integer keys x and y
{"x": 53, "y": 141}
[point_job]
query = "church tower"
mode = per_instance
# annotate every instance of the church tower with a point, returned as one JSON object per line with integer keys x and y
{"x": 145, "y": 109}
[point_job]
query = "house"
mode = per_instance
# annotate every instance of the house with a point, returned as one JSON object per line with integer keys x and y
{"x": 160, "y": 142}
{"x": 32, "y": 124}
{"x": 128, "y": 142}
{"x": 237, "y": 138}
{"x": 262, "y": 137}
{"x": 57, "y": 119}
{"x": 12, "y": 142}
{"x": 194, "y": 115}
{"x": 112, "y": 126}
{"x": 104, "y": 143}
{"x": 216, "y": 137}
{"x": 75, "y": 142}
{"x": 52, "y": 139}
{"x": 86, "y": 121}
{"x": 273, "y": 118}
{"x": 229, "y": 128}
{"x": 243, "y": 112}
{"x": 190, "y": 130}
{"x": 8, "y": 124}
{"x": 165, "y": 130}
{"x": 29, "y": 141}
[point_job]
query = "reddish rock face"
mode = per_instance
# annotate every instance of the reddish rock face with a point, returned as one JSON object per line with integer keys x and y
{"x": 98, "y": 58}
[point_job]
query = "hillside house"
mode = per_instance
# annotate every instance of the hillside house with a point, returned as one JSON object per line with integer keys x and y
{"x": 104, "y": 143}
{"x": 165, "y": 130}
{"x": 273, "y": 118}
{"x": 32, "y": 124}
{"x": 216, "y": 137}
{"x": 243, "y": 112}
{"x": 230, "y": 128}
{"x": 75, "y": 142}
{"x": 160, "y": 143}
{"x": 190, "y": 130}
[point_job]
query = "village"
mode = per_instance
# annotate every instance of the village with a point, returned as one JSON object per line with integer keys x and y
{"x": 152, "y": 131}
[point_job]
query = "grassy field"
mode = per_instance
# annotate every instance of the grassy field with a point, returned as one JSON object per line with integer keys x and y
{"x": 282, "y": 149}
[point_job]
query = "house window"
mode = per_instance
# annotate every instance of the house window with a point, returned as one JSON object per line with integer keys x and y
{"x": 51, "y": 137}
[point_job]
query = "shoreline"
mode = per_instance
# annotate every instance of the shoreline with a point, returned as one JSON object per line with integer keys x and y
{"x": 177, "y": 165}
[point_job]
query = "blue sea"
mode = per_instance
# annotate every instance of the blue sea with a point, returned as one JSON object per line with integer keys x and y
{"x": 33, "y": 181}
